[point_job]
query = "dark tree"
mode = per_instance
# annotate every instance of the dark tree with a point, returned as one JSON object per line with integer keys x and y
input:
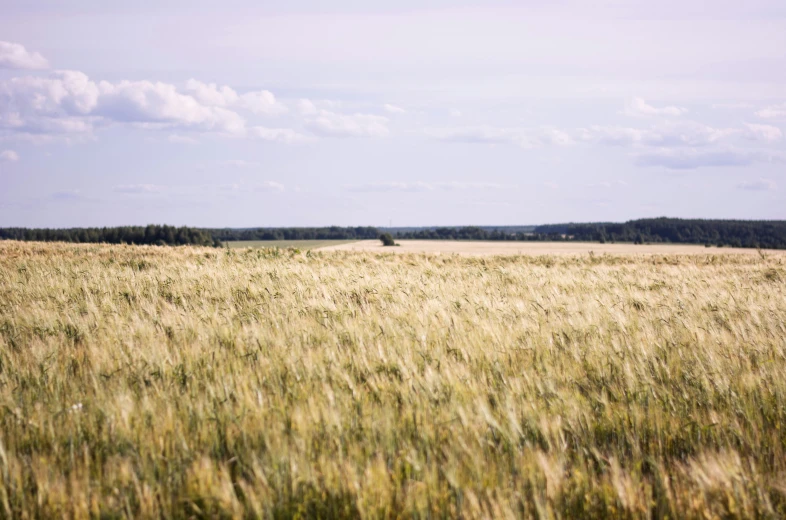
{"x": 387, "y": 239}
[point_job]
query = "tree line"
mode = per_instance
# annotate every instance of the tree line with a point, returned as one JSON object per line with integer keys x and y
{"x": 769, "y": 234}
{"x": 295, "y": 233}
{"x": 142, "y": 235}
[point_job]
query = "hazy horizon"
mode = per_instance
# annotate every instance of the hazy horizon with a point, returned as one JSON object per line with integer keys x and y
{"x": 491, "y": 114}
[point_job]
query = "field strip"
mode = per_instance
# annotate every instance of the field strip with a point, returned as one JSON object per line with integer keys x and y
{"x": 536, "y": 248}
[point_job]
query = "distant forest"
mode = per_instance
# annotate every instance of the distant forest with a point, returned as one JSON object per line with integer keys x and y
{"x": 768, "y": 234}
{"x": 150, "y": 235}
{"x": 321, "y": 233}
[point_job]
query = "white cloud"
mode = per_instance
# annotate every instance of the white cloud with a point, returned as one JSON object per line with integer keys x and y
{"x": 685, "y": 133}
{"x": 211, "y": 94}
{"x": 333, "y": 124}
{"x": 9, "y": 156}
{"x": 257, "y": 102}
{"x": 761, "y": 184}
{"x": 262, "y": 102}
{"x": 307, "y": 107}
{"x": 278, "y": 135}
{"x": 161, "y": 103}
{"x": 58, "y": 104}
{"x": 692, "y": 158}
{"x": 15, "y": 56}
{"x": 773, "y": 112}
{"x": 393, "y": 109}
{"x": 268, "y": 186}
{"x": 767, "y": 133}
{"x": 525, "y": 138}
{"x": 484, "y": 135}
{"x": 556, "y": 137}
{"x": 68, "y": 104}
{"x": 638, "y": 107}
{"x": 454, "y": 112}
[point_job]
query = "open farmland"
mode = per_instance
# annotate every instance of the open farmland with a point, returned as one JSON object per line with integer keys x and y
{"x": 532, "y": 248}
{"x": 156, "y": 382}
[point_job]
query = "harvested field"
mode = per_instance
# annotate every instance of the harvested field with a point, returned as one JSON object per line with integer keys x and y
{"x": 534, "y": 248}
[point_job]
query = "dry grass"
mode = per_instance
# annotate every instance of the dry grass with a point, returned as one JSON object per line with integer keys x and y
{"x": 169, "y": 383}
{"x": 480, "y": 248}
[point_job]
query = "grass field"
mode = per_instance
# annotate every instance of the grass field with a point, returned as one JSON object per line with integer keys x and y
{"x": 481, "y": 248}
{"x": 299, "y": 244}
{"x": 155, "y": 382}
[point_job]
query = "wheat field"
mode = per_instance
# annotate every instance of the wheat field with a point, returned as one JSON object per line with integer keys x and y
{"x": 154, "y": 382}
{"x": 537, "y": 248}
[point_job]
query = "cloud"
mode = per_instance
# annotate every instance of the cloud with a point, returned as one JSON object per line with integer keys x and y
{"x": 773, "y": 112}
{"x": 638, "y": 107}
{"x": 9, "y": 156}
{"x": 69, "y": 104}
{"x": 393, "y": 109}
{"x": 333, "y": 124}
{"x": 761, "y": 184}
{"x": 307, "y": 107}
{"x": 692, "y": 158}
{"x": 484, "y": 135}
{"x": 525, "y": 138}
{"x": 454, "y": 112}
{"x": 268, "y": 186}
{"x": 420, "y": 186}
{"x": 767, "y": 133}
{"x": 258, "y": 102}
{"x": 279, "y": 135}
{"x": 15, "y": 56}
{"x": 684, "y": 133}
{"x": 211, "y": 94}
{"x": 556, "y": 137}
{"x": 58, "y": 104}
{"x": 262, "y": 102}
{"x": 161, "y": 103}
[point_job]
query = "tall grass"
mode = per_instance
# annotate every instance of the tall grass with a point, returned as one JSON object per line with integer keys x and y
{"x": 170, "y": 383}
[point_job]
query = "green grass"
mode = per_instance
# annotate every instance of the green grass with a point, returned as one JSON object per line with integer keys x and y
{"x": 299, "y": 244}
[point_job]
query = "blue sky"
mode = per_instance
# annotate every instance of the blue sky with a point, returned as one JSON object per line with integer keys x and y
{"x": 410, "y": 113}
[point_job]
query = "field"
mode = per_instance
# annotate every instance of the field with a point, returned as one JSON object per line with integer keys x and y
{"x": 530, "y": 248}
{"x": 156, "y": 382}
{"x": 299, "y": 244}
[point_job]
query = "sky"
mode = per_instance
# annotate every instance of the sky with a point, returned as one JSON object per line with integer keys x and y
{"x": 249, "y": 113}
